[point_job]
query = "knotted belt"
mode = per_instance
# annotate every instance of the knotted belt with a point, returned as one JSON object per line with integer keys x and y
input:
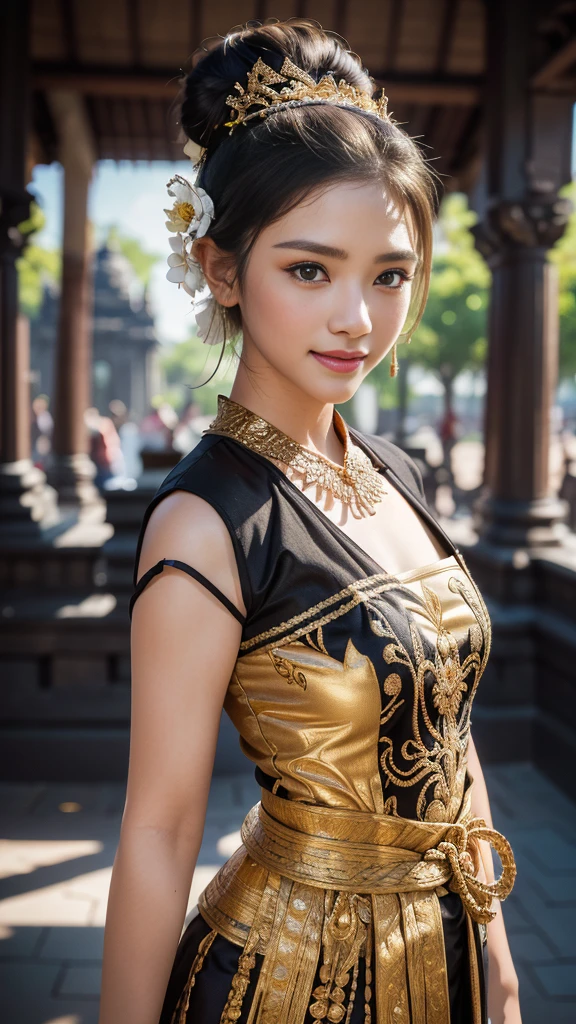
{"x": 316, "y": 884}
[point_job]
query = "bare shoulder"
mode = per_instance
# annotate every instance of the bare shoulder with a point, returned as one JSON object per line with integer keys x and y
{"x": 184, "y": 526}
{"x": 184, "y": 645}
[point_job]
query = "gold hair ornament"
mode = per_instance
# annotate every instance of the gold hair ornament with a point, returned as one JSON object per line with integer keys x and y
{"x": 297, "y": 87}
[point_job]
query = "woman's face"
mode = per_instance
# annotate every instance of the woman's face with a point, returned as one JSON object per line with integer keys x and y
{"x": 326, "y": 291}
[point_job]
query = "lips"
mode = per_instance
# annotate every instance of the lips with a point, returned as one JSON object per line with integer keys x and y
{"x": 340, "y": 361}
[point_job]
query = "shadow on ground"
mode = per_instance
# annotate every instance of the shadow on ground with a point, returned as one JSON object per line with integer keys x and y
{"x": 58, "y": 847}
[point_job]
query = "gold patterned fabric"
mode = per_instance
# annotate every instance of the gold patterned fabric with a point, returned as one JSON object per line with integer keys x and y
{"x": 356, "y": 886}
{"x": 429, "y": 639}
{"x": 334, "y": 873}
{"x": 339, "y": 884}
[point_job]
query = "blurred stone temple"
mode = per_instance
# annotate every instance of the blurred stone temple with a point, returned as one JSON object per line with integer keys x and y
{"x": 123, "y": 338}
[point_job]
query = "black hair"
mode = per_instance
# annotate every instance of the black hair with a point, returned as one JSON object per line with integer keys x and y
{"x": 262, "y": 169}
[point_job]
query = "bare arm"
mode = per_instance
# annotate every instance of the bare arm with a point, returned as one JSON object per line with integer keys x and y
{"x": 184, "y": 647}
{"x": 503, "y": 1002}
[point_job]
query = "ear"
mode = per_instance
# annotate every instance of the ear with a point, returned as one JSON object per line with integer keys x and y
{"x": 219, "y": 271}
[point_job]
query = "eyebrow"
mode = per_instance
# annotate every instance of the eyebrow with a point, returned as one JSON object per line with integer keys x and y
{"x": 329, "y": 251}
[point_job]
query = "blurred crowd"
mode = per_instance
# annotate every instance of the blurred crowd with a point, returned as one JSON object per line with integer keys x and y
{"x": 118, "y": 444}
{"x": 449, "y": 457}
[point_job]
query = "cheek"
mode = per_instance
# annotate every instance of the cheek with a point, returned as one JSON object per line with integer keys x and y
{"x": 393, "y": 310}
{"x": 271, "y": 299}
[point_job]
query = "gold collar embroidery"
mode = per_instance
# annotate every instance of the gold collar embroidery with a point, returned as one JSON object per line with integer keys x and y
{"x": 356, "y": 483}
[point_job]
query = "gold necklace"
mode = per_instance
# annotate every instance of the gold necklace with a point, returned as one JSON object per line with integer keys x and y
{"x": 356, "y": 483}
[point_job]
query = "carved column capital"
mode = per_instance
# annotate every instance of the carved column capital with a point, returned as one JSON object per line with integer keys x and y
{"x": 536, "y": 222}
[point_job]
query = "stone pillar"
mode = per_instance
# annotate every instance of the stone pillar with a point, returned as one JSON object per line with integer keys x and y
{"x": 519, "y": 561}
{"x": 527, "y": 161}
{"x": 517, "y": 509}
{"x": 72, "y": 470}
{"x": 25, "y": 501}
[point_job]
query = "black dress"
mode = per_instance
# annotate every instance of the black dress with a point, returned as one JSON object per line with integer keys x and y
{"x": 352, "y": 690}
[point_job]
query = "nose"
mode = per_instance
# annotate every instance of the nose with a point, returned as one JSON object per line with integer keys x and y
{"x": 350, "y": 314}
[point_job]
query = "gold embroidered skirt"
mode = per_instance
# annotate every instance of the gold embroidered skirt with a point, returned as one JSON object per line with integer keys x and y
{"x": 315, "y": 885}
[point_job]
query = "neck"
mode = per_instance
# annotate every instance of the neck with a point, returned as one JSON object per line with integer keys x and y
{"x": 303, "y": 418}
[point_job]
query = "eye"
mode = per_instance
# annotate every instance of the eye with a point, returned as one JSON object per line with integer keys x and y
{"x": 389, "y": 276}
{"x": 307, "y": 272}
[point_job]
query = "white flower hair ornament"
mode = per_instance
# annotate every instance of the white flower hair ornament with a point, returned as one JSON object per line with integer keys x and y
{"x": 188, "y": 219}
{"x": 193, "y": 210}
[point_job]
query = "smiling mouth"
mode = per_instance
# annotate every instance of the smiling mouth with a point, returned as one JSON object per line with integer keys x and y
{"x": 340, "y": 361}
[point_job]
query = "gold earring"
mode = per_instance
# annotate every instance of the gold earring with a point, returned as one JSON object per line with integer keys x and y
{"x": 394, "y": 361}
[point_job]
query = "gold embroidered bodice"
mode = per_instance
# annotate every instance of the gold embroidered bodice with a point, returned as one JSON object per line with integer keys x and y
{"x": 353, "y": 687}
{"x": 363, "y": 700}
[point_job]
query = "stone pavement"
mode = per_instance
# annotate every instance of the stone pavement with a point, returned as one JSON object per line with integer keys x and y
{"x": 58, "y": 844}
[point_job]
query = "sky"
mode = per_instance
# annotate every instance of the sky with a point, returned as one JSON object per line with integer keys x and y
{"x": 131, "y": 196}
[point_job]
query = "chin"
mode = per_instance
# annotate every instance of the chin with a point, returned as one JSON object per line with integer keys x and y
{"x": 332, "y": 392}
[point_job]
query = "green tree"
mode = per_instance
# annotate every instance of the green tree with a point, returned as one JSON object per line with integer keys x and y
{"x": 141, "y": 261}
{"x": 35, "y": 266}
{"x": 189, "y": 363}
{"x": 564, "y": 256}
{"x": 451, "y": 337}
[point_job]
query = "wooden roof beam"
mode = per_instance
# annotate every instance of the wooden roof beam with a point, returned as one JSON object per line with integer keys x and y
{"x": 341, "y": 17}
{"x": 69, "y": 29}
{"x": 108, "y": 82}
{"x": 394, "y": 28}
{"x": 440, "y": 92}
{"x": 430, "y": 90}
{"x": 196, "y": 15}
{"x": 133, "y": 12}
{"x": 550, "y": 75}
{"x": 77, "y": 147}
{"x": 446, "y": 35}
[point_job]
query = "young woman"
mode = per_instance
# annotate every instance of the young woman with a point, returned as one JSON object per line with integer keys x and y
{"x": 290, "y": 570}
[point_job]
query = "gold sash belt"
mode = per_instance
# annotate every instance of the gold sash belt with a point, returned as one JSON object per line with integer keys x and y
{"x": 362, "y": 852}
{"x": 321, "y": 886}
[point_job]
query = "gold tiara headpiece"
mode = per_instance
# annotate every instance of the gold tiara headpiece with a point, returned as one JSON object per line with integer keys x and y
{"x": 298, "y": 87}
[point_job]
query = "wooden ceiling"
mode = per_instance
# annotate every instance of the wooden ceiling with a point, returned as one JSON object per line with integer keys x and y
{"x": 125, "y": 56}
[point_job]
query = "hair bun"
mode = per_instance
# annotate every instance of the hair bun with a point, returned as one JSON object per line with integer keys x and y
{"x": 229, "y": 60}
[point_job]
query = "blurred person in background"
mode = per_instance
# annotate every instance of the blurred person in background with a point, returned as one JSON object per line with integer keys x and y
{"x": 105, "y": 448}
{"x": 129, "y": 434}
{"x": 118, "y": 413}
{"x": 42, "y": 426}
{"x": 448, "y": 432}
{"x": 157, "y": 428}
{"x": 187, "y": 432}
